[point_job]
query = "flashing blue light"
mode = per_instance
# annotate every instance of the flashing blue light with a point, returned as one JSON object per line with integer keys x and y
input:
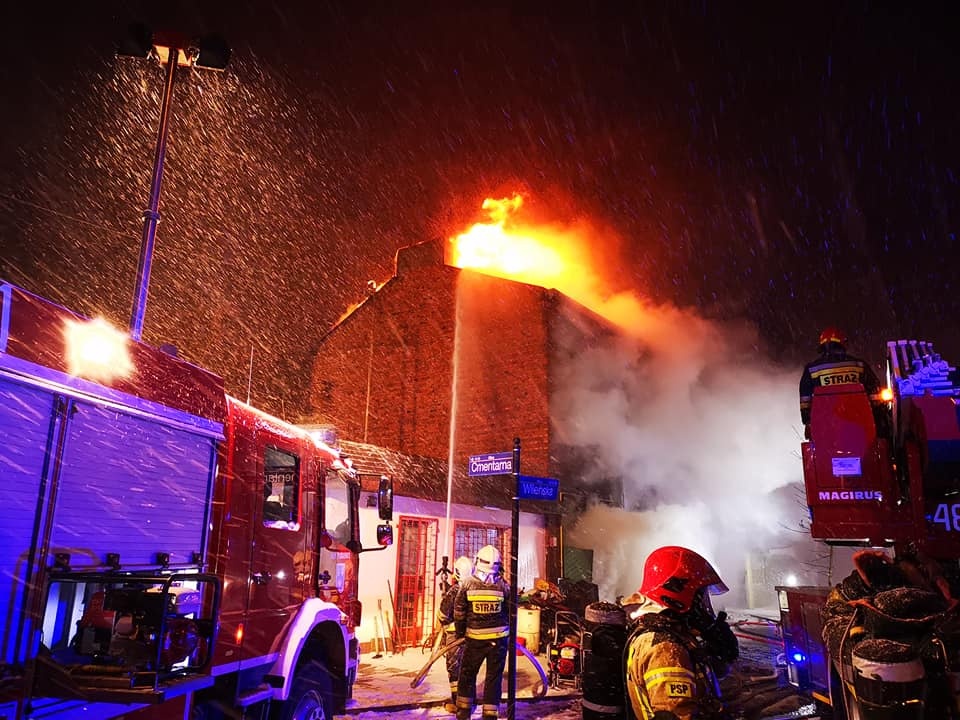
{"x": 798, "y": 657}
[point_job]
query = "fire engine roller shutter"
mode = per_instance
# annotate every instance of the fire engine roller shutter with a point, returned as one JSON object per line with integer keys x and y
{"x": 132, "y": 486}
{"x": 24, "y": 422}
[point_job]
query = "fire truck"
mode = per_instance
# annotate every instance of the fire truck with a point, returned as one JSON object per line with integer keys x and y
{"x": 877, "y": 477}
{"x": 166, "y": 550}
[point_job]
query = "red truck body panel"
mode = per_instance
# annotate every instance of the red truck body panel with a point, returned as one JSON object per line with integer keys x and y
{"x": 137, "y": 484}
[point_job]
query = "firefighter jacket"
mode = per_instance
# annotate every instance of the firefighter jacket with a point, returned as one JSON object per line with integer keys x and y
{"x": 667, "y": 671}
{"x": 445, "y": 611}
{"x": 835, "y": 368}
{"x": 480, "y": 609}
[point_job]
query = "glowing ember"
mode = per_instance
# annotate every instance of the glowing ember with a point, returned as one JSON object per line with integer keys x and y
{"x": 96, "y": 350}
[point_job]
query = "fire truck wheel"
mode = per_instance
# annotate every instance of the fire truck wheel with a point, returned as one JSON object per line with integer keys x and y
{"x": 211, "y": 710}
{"x": 310, "y": 694}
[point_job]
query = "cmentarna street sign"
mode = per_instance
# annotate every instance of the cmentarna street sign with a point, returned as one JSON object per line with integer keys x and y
{"x": 500, "y": 463}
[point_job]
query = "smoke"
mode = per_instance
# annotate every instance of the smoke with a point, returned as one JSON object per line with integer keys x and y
{"x": 701, "y": 429}
{"x": 688, "y": 414}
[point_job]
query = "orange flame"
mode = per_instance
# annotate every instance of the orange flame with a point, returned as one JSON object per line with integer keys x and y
{"x": 550, "y": 256}
{"x": 506, "y": 249}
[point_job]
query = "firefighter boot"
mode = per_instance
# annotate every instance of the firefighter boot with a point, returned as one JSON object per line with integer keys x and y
{"x": 450, "y": 705}
{"x": 464, "y": 707}
{"x": 490, "y": 712}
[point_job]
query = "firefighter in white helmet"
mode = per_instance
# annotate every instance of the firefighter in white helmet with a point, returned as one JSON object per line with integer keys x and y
{"x": 462, "y": 569}
{"x": 481, "y": 615}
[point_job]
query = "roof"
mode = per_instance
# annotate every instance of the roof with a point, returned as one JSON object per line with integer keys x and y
{"x": 424, "y": 477}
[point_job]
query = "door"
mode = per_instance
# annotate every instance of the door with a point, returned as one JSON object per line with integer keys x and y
{"x": 414, "y": 595}
{"x": 278, "y": 540}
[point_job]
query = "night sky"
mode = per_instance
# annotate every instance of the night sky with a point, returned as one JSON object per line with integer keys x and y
{"x": 794, "y": 169}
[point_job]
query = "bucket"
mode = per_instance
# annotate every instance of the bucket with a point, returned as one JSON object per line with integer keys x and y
{"x": 528, "y": 628}
{"x": 531, "y": 641}
{"x": 528, "y": 620}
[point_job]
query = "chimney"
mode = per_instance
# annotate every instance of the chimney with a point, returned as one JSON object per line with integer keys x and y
{"x": 424, "y": 254}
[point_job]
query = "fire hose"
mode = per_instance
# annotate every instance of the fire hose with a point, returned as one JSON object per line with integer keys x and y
{"x": 444, "y": 649}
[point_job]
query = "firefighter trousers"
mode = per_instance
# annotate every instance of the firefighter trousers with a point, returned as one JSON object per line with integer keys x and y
{"x": 453, "y": 663}
{"x": 475, "y": 653}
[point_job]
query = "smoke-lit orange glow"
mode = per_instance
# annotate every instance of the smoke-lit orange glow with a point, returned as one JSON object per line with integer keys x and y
{"x": 550, "y": 256}
{"x": 96, "y": 350}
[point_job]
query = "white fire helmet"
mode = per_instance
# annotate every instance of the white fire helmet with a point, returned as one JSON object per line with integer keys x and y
{"x": 462, "y": 568}
{"x": 487, "y": 562}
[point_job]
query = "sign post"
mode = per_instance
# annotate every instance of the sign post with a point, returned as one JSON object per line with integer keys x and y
{"x": 526, "y": 487}
{"x": 514, "y": 552}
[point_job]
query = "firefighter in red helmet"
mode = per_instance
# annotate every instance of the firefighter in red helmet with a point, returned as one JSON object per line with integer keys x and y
{"x": 677, "y": 646}
{"x": 835, "y": 366}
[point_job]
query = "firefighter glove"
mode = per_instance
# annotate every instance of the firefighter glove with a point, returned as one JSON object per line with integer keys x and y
{"x": 720, "y": 642}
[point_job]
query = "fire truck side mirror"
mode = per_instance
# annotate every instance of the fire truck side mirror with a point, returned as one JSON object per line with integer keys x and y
{"x": 385, "y": 500}
{"x": 385, "y": 535}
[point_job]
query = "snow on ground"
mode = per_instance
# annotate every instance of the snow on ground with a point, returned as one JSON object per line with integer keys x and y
{"x": 568, "y": 709}
{"x": 383, "y": 691}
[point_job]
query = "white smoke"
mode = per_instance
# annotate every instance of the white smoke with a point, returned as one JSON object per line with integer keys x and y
{"x": 702, "y": 429}
{"x": 700, "y": 426}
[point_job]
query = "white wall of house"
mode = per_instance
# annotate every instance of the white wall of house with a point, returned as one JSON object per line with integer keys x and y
{"x": 376, "y": 568}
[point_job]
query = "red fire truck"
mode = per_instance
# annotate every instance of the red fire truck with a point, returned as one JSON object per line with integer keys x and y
{"x": 877, "y": 478}
{"x": 166, "y": 550}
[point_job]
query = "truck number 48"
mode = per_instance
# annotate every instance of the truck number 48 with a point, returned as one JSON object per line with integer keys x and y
{"x": 948, "y": 516}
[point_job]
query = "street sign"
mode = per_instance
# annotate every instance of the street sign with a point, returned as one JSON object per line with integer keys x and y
{"x": 500, "y": 463}
{"x": 538, "y": 488}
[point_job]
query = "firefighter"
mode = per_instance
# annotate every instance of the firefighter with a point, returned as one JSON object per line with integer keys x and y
{"x": 481, "y": 615}
{"x": 462, "y": 569}
{"x": 892, "y": 631}
{"x": 835, "y": 366}
{"x": 677, "y": 646}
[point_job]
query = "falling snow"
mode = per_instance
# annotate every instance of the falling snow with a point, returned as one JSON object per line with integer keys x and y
{"x": 753, "y": 165}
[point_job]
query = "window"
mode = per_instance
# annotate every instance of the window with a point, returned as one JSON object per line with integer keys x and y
{"x": 336, "y": 508}
{"x": 281, "y": 490}
{"x": 468, "y": 538}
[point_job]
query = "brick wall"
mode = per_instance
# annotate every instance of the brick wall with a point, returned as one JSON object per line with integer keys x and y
{"x": 384, "y": 375}
{"x": 402, "y": 341}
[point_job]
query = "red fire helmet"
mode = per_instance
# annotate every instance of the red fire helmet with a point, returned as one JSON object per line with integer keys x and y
{"x": 672, "y": 576}
{"x": 834, "y": 335}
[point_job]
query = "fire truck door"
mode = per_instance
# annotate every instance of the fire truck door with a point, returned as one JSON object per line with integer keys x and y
{"x": 278, "y": 537}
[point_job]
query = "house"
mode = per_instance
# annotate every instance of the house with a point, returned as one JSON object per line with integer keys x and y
{"x": 436, "y": 365}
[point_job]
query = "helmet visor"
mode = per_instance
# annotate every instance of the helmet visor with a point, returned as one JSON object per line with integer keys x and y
{"x": 718, "y": 588}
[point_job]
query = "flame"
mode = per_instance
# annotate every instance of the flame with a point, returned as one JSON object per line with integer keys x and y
{"x": 96, "y": 350}
{"x": 548, "y": 255}
{"x": 504, "y": 248}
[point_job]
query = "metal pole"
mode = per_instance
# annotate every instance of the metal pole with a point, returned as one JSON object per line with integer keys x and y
{"x": 514, "y": 552}
{"x": 151, "y": 216}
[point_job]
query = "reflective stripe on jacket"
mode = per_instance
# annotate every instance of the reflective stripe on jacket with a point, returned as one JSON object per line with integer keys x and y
{"x": 664, "y": 673}
{"x": 835, "y": 369}
{"x": 480, "y": 609}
